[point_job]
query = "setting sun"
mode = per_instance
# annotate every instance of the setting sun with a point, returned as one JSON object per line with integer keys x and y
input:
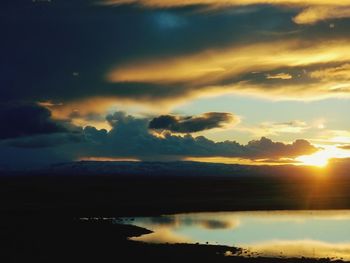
{"x": 319, "y": 159}
{"x": 322, "y": 157}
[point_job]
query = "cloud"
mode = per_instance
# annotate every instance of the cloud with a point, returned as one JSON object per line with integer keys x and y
{"x": 44, "y": 140}
{"x": 132, "y": 59}
{"x": 345, "y": 147}
{"x": 339, "y": 73}
{"x": 315, "y": 14}
{"x": 290, "y": 91}
{"x": 191, "y": 124}
{"x": 334, "y": 136}
{"x": 19, "y": 120}
{"x": 130, "y": 137}
{"x": 231, "y": 70}
{"x": 267, "y": 148}
{"x": 167, "y": 21}
{"x": 225, "y": 63}
{"x": 275, "y": 128}
{"x": 279, "y": 76}
{"x": 312, "y": 11}
{"x": 103, "y": 38}
{"x": 76, "y": 76}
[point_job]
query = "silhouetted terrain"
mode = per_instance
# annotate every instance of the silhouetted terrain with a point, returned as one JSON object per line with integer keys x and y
{"x": 39, "y": 209}
{"x": 79, "y": 189}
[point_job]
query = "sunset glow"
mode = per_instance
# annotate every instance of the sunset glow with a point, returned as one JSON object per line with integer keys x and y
{"x": 250, "y": 82}
{"x": 322, "y": 157}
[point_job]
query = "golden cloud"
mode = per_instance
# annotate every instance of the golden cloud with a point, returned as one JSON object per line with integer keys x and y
{"x": 92, "y": 111}
{"x": 273, "y": 128}
{"x": 214, "y": 65}
{"x": 315, "y": 14}
{"x": 279, "y": 76}
{"x": 333, "y": 73}
{"x": 207, "y": 70}
{"x": 295, "y": 92}
{"x": 82, "y": 112}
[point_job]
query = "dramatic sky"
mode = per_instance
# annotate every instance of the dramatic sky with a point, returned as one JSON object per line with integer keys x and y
{"x": 247, "y": 81}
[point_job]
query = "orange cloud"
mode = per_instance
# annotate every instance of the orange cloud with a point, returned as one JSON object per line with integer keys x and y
{"x": 279, "y": 76}
{"x": 92, "y": 111}
{"x": 207, "y": 70}
{"x": 212, "y": 65}
{"x": 82, "y": 112}
{"x": 340, "y": 73}
{"x": 315, "y": 14}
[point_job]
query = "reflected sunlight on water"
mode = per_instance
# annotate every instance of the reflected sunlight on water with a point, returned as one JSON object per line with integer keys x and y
{"x": 318, "y": 234}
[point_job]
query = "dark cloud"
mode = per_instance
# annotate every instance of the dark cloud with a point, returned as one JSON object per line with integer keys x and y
{"x": 101, "y": 38}
{"x": 267, "y": 148}
{"x": 130, "y": 137}
{"x": 45, "y": 140}
{"x": 20, "y": 120}
{"x": 190, "y": 124}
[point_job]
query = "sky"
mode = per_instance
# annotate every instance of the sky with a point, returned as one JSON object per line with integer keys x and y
{"x": 238, "y": 81}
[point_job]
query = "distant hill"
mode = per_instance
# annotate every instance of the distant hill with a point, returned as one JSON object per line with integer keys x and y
{"x": 186, "y": 168}
{"x": 183, "y": 168}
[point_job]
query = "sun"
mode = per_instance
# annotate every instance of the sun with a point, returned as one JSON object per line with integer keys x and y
{"x": 319, "y": 159}
{"x": 322, "y": 157}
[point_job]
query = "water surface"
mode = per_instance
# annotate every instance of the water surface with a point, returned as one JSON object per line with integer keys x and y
{"x": 274, "y": 233}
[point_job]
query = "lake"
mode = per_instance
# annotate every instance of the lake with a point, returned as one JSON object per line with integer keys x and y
{"x": 316, "y": 234}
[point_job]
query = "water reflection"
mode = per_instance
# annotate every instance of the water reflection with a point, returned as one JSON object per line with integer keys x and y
{"x": 278, "y": 233}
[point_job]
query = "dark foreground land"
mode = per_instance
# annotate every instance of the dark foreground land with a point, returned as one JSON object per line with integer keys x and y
{"x": 39, "y": 212}
{"x": 126, "y": 188}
